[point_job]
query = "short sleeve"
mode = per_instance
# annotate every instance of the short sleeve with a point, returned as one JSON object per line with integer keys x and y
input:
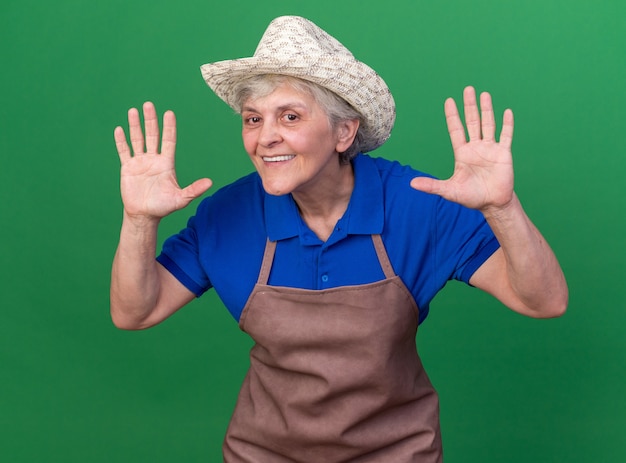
{"x": 180, "y": 255}
{"x": 464, "y": 240}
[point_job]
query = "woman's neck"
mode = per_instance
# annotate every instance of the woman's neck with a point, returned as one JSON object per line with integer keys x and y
{"x": 321, "y": 209}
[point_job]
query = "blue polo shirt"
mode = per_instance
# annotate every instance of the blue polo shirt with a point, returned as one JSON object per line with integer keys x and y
{"x": 429, "y": 240}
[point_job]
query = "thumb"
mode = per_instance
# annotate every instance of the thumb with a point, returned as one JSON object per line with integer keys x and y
{"x": 427, "y": 185}
{"x": 197, "y": 188}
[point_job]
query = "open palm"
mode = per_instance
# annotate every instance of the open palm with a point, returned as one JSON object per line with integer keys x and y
{"x": 483, "y": 167}
{"x": 148, "y": 177}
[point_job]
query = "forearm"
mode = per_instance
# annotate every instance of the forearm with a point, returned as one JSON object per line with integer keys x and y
{"x": 134, "y": 275}
{"x": 532, "y": 275}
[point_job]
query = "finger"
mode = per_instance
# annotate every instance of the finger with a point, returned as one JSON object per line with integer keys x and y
{"x": 472, "y": 117}
{"x": 455, "y": 126}
{"x": 152, "y": 127}
{"x": 168, "y": 145}
{"x": 136, "y": 135}
{"x": 506, "y": 136}
{"x": 487, "y": 117}
{"x": 123, "y": 150}
{"x": 197, "y": 188}
{"x": 427, "y": 185}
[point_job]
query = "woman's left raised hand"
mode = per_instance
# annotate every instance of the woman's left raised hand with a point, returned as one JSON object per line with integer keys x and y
{"x": 483, "y": 167}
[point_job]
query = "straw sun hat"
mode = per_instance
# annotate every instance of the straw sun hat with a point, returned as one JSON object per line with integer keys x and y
{"x": 296, "y": 47}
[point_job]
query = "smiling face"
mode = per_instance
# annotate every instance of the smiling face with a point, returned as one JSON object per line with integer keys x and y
{"x": 292, "y": 144}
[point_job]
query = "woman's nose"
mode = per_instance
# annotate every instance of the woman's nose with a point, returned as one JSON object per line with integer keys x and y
{"x": 269, "y": 134}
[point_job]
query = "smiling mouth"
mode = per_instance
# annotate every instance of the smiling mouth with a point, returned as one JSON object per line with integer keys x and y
{"x": 278, "y": 158}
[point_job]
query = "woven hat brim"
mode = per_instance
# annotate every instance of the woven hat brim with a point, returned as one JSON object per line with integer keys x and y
{"x": 349, "y": 78}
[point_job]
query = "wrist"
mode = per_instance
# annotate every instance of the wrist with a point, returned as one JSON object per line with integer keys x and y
{"x": 140, "y": 221}
{"x": 502, "y": 211}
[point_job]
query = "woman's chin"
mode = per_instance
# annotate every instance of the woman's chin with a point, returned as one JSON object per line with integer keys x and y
{"x": 276, "y": 189}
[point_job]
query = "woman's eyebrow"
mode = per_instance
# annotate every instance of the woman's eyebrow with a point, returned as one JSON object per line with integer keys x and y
{"x": 282, "y": 107}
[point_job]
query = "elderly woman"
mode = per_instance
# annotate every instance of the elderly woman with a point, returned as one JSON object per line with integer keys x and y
{"x": 328, "y": 258}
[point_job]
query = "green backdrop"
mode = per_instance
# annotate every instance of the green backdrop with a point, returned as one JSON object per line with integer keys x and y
{"x": 75, "y": 389}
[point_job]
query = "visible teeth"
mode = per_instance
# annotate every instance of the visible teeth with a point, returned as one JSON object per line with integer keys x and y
{"x": 278, "y": 158}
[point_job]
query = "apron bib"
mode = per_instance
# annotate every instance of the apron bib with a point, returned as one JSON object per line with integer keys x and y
{"x": 334, "y": 376}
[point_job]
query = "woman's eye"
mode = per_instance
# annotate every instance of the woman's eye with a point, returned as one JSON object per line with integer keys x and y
{"x": 253, "y": 120}
{"x": 290, "y": 117}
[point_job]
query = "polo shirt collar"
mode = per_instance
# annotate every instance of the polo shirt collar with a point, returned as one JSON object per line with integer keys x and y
{"x": 364, "y": 216}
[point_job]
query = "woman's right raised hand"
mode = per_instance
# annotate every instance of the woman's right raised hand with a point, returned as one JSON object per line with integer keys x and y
{"x": 148, "y": 181}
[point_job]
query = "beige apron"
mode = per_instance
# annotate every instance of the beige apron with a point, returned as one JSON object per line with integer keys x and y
{"x": 334, "y": 376}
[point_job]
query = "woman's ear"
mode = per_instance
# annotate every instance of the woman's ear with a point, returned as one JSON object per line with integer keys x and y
{"x": 346, "y": 131}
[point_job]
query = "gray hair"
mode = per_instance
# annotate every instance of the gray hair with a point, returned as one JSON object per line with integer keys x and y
{"x": 336, "y": 108}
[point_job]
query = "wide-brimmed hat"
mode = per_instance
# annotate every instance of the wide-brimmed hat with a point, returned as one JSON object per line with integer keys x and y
{"x": 296, "y": 47}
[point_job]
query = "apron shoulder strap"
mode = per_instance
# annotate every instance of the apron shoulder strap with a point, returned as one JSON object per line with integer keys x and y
{"x": 270, "y": 249}
{"x": 383, "y": 258}
{"x": 266, "y": 265}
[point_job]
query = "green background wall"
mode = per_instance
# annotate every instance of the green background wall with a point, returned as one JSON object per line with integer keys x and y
{"x": 75, "y": 389}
